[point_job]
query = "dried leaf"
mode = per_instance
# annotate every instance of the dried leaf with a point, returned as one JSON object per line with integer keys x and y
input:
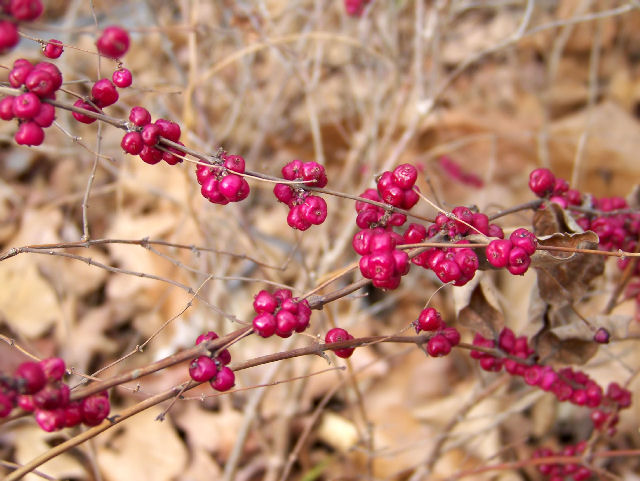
{"x": 478, "y": 308}
{"x": 583, "y": 240}
{"x": 571, "y": 351}
{"x": 617, "y": 325}
{"x": 553, "y": 219}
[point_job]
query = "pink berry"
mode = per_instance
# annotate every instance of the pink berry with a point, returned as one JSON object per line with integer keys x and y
{"x": 207, "y": 336}
{"x": 264, "y": 302}
{"x": 393, "y": 195}
{"x": 19, "y": 72}
{"x": 415, "y": 234}
{"x": 224, "y": 357}
{"x": 401, "y": 260}
{"x": 40, "y": 82}
{"x": 114, "y": 42}
{"x": 26, "y": 10}
{"x": 31, "y": 377}
{"x": 452, "y": 335}
{"x": 315, "y": 172}
{"x": 525, "y": 239}
{"x": 202, "y": 369}
{"x": 296, "y": 219}
{"x": 467, "y": 260}
{"x": 95, "y": 409}
{"x": 140, "y": 116}
{"x": 6, "y": 405}
{"x": 104, "y": 93}
{"x": 6, "y": 108}
{"x": 464, "y": 216}
{"x": 533, "y": 375}
{"x": 438, "y": 346}
{"x": 405, "y": 176}
{"x": 151, "y": 134}
{"x": 409, "y": 199}
{"x": 381, "y": 265}
{"x": 80, "y": 117}
{"x": 560, "y": 187}
{"x": 497, "y": 252}
{"x": 448, "y": 271}
{"x": 25, "y": 402}
{"x": 29, "y": 133}
{"x": 50, "y": 420}
{"x": 292, "y": 170}
{"x": 73, "y": 414}
{"x": 132, "y": 143}
{"x": 224, "y": 380}
{"x": 285, "y": 323}
{"x": 338, "y": 334}
{"x": 382, "y": 242}
{"x": 54, "y": 368}
{"x": 45, "y": 116}
{"x": 265, "y": 324}
{"x": 122, "y": 78}
{"x": 429, "y": 320}
{"x": 519, "y": 261}
{"x": 49, "y": 397}
{"x": 495, "y": 231}
{"x": 169, "y": 130}
{"x": 9, "y": 37}
{"x": 53, "y": 48}
{"x": 314, "y": 210}
{"x": 151, "y": 155}
{"x": 282, "y": 294}
{"x": 601, "y": 336}
{"x": 480, "y": 222}
{"x": 26, "y": 106}
{"x": 234, "y": 187}
{"x": 561, "y": 201}
{"x": 283, "y": 193}
{"x": 234, "y": 163}
{"x": 52, "y": 70}
{"x": 541, "y": 182}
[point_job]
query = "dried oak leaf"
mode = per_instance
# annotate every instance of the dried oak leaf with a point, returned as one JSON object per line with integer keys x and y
{"x": 575, "y": 352}
{"x": 478, "y": 308}
{"x": 564, "y": 277}
{"x": 616, "y": 324}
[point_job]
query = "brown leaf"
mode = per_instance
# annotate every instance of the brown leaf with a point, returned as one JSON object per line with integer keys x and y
{"x": 617, "y": 325}
{"x": 583, "y": 240}
{"x": 570, "y": 351}
{"x": 552, "y": 220}
{"x": 478, "y": 308}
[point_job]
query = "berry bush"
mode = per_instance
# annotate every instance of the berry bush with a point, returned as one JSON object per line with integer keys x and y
{"x": 307, "y": 240}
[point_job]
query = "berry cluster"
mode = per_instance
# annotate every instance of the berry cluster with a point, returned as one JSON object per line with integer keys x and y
{"x": 219, "y": 184}
{"x": 16, "y": 11}
{"x": 513, "y": 253}
{"x": 445, "y": 337}
{"x": 371, "y": 216}
{"x": 280, "y": 313}
{"x": 337, "y": 334}
{"x": 381, "y": 261}
{"x": 566, "y": 384}
{"x": 354, "y": 8}
{"x": 305, "y": 210}
{"x": 561, "y": 472}
{"x": 38, "y": 387}
{"x": 33, "y": 113}
{"x": 144, "y": 136}
{"x": 213, "y": 370}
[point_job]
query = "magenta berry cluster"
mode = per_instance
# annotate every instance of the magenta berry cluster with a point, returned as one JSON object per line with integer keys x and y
{"x": 566, "y": 384}
{"x": 30, "y": 108}
{"x": 337, "y": 334}
{"x": 15, "y": 11}
{"x": 513, "y": 253}
{"x": 220, "y": 185}
{"x": 113, "y": 42}
{"x": 396, "y": 187}
{"x": 371, "y": 216}
{"x": 563, "y": 472}
{"x": 381, "y": 261}
{"x": 305, "y": 209}
{"x": 444, "y": 337}
{"x": 280, "y": 313}
{"x": 38, "y": 387}
{"x": 210, "y": 369}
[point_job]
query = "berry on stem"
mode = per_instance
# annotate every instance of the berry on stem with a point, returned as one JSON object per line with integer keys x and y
{"x": 53, "y": 48}
{"x": 338, "y": 334}
{"x": 114, "y": 42}
{"x": 122, "y": 78}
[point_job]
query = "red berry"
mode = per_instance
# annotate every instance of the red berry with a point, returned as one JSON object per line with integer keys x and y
{"x": 151, "y": 155}
{"x": 498, "y": 252}
{"x": 95, "y": 409}
{"x": 495, "y": 231}
{"x": 464, "y": 216}
{"x": 140, "y": 116}
{"x": 40, "y": 82}
{"x": 122, "y": 78}
{"x": 438, "y": 346}
{"x": 202, "y": 369}
{"x": 26, "y": 106}
{"x": 8, "y": 35}
{"x": 409, "y": 199}
{"x": 292, "y": 170}
{"x": 234, "y": 187}
{"x": 393, "y": 195}
{"x": 46, "y": 115}
{"x": 132, "y": 143}
{"x": 525, "y": 239}
{"x": 519, "y": 261}
{"x": 104, "y": 93}
{"x": 429, "y": 320}
{"x": 314, "y": 171}
{"x": 314, "y": 210}
{"x": 541, "y": 182}
{"x": 264, "y": 302}
{"x": 285, "y": 323}
{"x": 207, "y": 336}
{"x": 448, "y": 271}
{"x": 169, "y": 130}
{"x": 21, "y": 68}
{"x": 338, "y": 334}
{"x": 80, "y": 117}
{"x": 480, "y": 222}
{"x": 265, "y": 324}
{"x": 26, "y": 10}
{"x": 50, "y": 420}
{"x": 467, "y": 260}
{"x": 224, "y": 380}
{"x": 283, "y": 193}
{"x": 296, "y": 219}
{"x": 73, "y": 414}
{"x": 601, "y": 336}
{"x": 6, "y": 108}
{"x": 53, "y": 48}
{"x": 52, "y": 70}
{"x": 234, "y": 163}
{"x": 29, "y": 133}
{"x": 151, "y": 134}
{"x": 405, "y": 176}
{"x": 31, "y": 376}
{"x": 114, "y": 42}
{"x": 452, "y": 335}
{"x": 51, "y": 397}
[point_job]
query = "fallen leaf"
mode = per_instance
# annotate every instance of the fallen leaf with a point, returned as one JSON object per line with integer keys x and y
{"x": 478, "y": 308}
